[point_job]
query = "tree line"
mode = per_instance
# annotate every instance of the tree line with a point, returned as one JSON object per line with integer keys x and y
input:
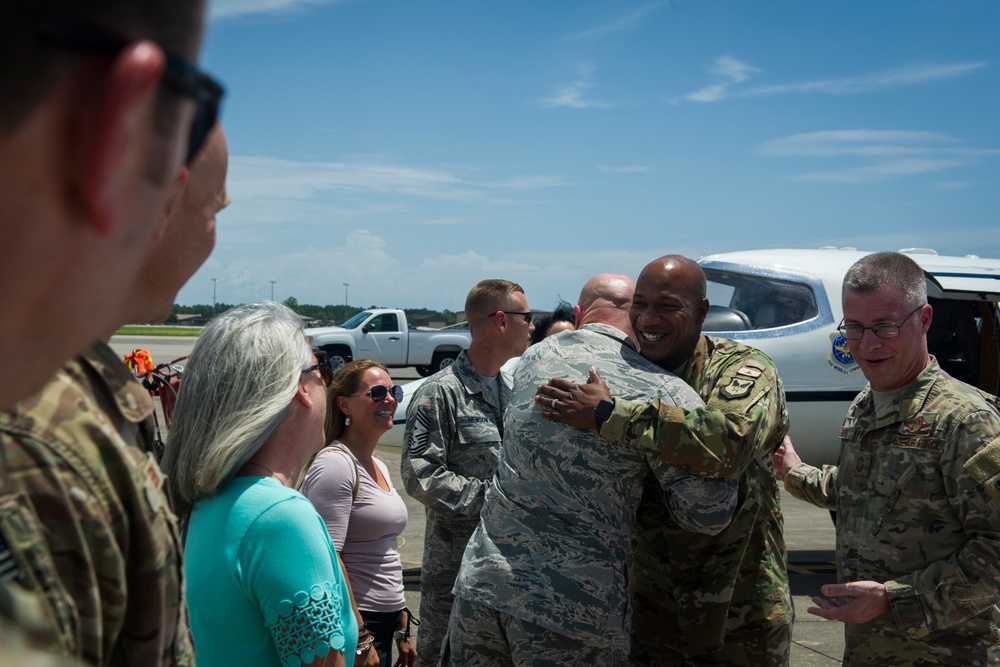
{"x": 324, "y": 315}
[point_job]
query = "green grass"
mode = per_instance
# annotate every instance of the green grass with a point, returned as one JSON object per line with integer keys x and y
{"x": 140, "y": 330}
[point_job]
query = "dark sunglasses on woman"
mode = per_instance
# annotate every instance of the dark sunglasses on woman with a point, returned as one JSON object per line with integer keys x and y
{"x": 379, "y": 392}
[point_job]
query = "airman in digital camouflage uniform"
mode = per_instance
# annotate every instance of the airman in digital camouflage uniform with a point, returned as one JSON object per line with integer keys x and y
{"x": 83, "y": 515}
{"x": 917, "y": 489}
{"x": 543, "y": 580}
{"x": 454, "y": 423}
{"x": 700, "y": 599}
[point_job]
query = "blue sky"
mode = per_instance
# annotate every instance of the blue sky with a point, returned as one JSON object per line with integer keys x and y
{"x": 411, "y": 149}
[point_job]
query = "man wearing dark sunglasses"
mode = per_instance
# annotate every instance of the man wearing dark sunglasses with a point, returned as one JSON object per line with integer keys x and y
{"x": 101, "y": 106}
{"x": 97, "y": 117}
{"x": 453, "y": 430}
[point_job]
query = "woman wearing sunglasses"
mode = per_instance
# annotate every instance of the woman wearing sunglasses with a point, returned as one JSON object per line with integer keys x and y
{"x": 352, "y": 492}
{"x": 263, "y": 584}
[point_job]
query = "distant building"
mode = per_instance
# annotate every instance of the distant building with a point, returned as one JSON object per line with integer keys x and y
{"x": 189, "y": 320}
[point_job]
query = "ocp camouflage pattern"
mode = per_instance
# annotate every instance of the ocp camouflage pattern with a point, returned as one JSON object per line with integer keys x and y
{"x": 83, "y": 511}
{"x": 917, "y": 493}
{"x": 694, "y": 593}
{"x": 554, "y": 538}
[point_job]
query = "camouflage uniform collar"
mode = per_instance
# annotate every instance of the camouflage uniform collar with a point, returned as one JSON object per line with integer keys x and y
{"x": 698, "y": 360}
{"x": 131, "y": 398}
{"x": 610, "y": 332}
{"x": 912, "y": 400}
{"x": 473, "y": 381}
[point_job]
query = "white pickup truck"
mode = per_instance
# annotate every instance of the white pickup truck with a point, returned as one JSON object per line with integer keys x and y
{"x": 383, "y": 334}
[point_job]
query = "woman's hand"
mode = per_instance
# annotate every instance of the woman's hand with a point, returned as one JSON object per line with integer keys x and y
{"x": 407, "y": 653}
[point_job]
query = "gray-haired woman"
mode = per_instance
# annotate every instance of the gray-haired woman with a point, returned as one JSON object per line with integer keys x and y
{"x": 264, "y": 587}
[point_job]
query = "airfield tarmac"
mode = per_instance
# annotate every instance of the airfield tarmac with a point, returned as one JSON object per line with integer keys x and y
{"x": 809, "y": 533}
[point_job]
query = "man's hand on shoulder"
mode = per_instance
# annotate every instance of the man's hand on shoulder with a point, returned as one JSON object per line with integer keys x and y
{"x": 570, "y": 403}
{"x": 868, "y": 600}
{"x": 785, "y": 459}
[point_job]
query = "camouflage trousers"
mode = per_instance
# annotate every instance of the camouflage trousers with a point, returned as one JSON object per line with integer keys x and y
{"x": 482, "y": 637}
{"x": 747, "y": 646}
{"x": 435, "y": 608}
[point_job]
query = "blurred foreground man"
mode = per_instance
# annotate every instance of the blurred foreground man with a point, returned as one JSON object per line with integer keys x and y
{"x": 917, "y": 488}
{"x": 543, "y": 580}
{"x": 699, "y": 599}
{"x": 454, "y": 424}
{"x": 83, "y": 515}
{"x": 100, "y": 107}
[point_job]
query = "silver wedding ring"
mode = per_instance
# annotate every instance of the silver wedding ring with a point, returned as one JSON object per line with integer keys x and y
{"x": 554, "y": 401}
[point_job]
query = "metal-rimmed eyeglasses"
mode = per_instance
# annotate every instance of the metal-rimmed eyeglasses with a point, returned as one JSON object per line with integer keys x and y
{"x": 324, "y": 365}
{"x": 380, "y": 391}
{"x": 179, "y": 74}
{"x": 882, "y": 329}
{"x": 526, "y": 314}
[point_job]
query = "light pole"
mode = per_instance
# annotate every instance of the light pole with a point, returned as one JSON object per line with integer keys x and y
{"x": 215, "y": 282}
{"x": 272, "y": 289}
{"x": 346, "y": 285}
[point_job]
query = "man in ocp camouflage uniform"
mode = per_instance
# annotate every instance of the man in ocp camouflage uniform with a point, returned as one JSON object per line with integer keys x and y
{"x": 83, "y": 514}
{"x": 543, "y": 581}
{"x": 454, "y": 423}
{"x": 700, "y": 599}
{"x": 917, "y": 488}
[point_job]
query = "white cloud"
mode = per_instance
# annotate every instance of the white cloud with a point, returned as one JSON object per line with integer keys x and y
{"x": 263, "y": 177}
{"x": 879, "y": 172}
{"x": 886, "y": 154}
{"x": 734, "y": 72}
{"x": 572, "y": 95}
{"x": 627, "y": 22}
{"x": 230, "y": 8}
{"x": 315, "y": 274}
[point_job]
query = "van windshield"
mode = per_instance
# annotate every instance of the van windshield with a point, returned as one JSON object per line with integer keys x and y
{"x": 744, "y": 301}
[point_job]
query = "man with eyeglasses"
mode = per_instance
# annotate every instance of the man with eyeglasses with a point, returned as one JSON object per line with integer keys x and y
{"x": 917, "y": 488}
{"x": 101, "y": 106}
{"x": 454, "y": 424}
{"x": 103, "y": 553}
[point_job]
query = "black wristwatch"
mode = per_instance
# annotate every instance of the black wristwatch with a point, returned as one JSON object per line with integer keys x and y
{"x": 603, "y": 411}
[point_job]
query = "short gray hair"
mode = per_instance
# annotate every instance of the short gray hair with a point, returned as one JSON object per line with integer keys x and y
{"x": 239, "y": 381}
{"x": 888, "y": 269}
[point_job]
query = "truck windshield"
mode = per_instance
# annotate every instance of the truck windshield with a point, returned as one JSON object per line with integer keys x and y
{"x": 356, "y": 321}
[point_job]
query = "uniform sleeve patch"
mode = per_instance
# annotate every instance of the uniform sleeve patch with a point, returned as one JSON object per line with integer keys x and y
{"x": 737, "y": 388}
{"x": 749, "y": 371}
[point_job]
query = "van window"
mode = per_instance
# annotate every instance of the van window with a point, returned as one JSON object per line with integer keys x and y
{"x": 742, "y": 301}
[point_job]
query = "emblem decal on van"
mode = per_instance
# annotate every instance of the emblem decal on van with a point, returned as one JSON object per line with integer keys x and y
{"x": 839, "y": 358}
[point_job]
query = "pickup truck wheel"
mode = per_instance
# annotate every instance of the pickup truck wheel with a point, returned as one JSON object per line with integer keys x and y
{"x": 337, "y": 357}
{"x": 442, "y": 360}
{"x": 424, "y": 371}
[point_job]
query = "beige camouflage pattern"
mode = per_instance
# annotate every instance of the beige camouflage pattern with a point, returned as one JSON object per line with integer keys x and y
{"x": 83, "y": 511}
{"x": 554, "y": 537}
{"x": 453, "y": 431}
{"x": 721, "y": 599}
{"x": 917, "y": 494}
